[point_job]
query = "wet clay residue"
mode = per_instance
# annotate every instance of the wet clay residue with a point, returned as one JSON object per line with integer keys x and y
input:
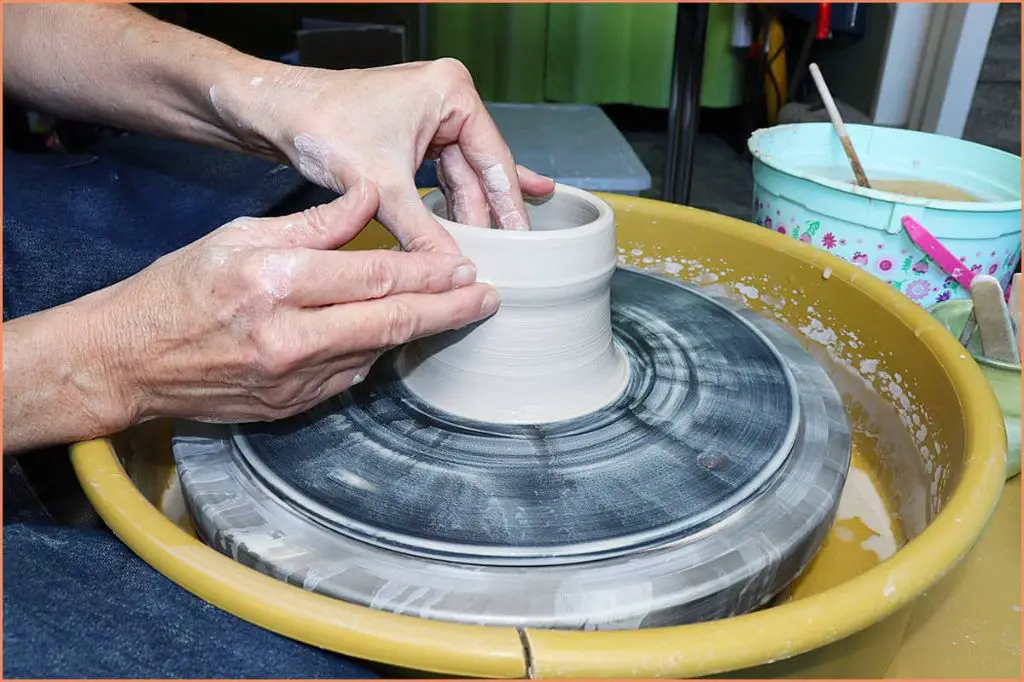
{"x": 923, "y": 189}
{"x": 864, "y": 535}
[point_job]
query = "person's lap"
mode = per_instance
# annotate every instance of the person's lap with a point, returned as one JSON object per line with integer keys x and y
{"x": 74, "y": 224}
{"x": 77, "y": 602}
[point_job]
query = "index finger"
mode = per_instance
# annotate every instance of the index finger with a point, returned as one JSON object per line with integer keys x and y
{"x": 394, "y": 320}
{"x": 321, "y": 278}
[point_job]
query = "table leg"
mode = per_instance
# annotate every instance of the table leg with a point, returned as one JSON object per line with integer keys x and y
{"x": 684, "y": 101}
{"x": 423, "y": 31}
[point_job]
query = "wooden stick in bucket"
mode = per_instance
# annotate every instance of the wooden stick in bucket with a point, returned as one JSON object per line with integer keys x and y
{"x": 1014, "y": 304}
{"x": 993, "y": 318}
{"x": 837, "y": 123}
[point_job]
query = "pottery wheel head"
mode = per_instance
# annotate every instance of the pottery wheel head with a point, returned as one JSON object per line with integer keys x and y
{"x": 699, "y": 491}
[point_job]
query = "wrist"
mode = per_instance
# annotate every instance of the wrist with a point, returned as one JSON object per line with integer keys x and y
{"x": 244, "y": 101}
{"x": 61, "y": 385}
{"x": 203, "y": 86}
{"x": 103, "y": 363}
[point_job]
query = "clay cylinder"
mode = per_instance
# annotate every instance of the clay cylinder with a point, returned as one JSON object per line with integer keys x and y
{"x": 548, "y": 354}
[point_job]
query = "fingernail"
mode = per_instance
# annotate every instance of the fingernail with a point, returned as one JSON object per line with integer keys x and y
{"x": 464, "y": 275}
{"x": 490, "y": 305}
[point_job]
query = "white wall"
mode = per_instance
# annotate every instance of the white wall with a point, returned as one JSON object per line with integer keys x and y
{"x": 931, "y": 65}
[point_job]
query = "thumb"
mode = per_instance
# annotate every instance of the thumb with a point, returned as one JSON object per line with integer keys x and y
{"x": 324, "y": 227}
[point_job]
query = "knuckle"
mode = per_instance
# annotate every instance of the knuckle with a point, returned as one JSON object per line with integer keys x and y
{"x": 313, "y": 219}
{"x": 399, "y": 325}
{"x": 453, "y": 70}
{"x": 419, "y": 243}
{"x": 380, "y": 276}
{"x": 269, "y": 274}
{"x": 275, "y": 357}
{"x": 213, "y": 261}
{"x": 283, "y": 399}
{"x": 248, "y": 270}
{"x": 232, "y": 230}
{"x": 231, "y": 276}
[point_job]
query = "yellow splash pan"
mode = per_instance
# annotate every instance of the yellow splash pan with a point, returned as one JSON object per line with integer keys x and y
{"x": 927, "y": 430}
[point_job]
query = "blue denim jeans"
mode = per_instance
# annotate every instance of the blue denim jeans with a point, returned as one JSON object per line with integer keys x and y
{"x": 77, "y": 602}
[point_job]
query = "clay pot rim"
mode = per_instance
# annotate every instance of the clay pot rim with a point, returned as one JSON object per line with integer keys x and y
{"x": 561, "y": 193}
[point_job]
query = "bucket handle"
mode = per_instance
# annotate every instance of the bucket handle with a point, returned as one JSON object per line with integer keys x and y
{"x": 946, "y": 261}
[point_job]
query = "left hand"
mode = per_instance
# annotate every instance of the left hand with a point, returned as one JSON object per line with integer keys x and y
{"x": 377, "y": 125}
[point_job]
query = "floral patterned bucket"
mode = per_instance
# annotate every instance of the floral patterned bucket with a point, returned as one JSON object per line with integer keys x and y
{"x": 803, "y": 188}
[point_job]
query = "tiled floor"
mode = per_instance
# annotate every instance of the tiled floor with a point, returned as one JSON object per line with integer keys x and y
{"x": 722, "y": 180}
{"x": 995, "y": 112}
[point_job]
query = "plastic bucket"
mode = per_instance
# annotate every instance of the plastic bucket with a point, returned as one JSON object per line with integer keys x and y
{"x": 803, "y": 188}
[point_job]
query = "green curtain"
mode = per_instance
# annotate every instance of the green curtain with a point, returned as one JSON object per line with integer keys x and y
{"x": 584, "y": 53}
{"x": 504, "y": 46}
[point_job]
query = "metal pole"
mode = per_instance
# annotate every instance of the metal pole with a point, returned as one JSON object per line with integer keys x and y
{"x": 423, "y": 31}
{"x": 684, "y": 101}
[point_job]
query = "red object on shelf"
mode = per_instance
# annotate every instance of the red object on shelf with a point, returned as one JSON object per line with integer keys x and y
{"x": 824, "y": 21}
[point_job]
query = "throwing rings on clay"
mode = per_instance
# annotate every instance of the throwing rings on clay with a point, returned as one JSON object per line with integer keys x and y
{"x": 703, "y": 483}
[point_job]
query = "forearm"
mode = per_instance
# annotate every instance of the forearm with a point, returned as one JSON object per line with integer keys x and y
{"x": 116, "y": 65}
{"x": 59, "y": 386}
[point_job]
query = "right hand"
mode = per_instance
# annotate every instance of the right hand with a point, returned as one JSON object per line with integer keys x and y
{"x": 340, "y": 128}
{"x": 264, "y": 318}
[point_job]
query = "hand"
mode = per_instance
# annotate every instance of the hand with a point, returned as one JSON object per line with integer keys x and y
{"x": 341, "y": 127}
{"x": 262, "y": 318}
{"x": 336, "y": 127}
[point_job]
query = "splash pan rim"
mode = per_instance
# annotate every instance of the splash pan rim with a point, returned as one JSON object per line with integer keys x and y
{"x": 682, "y": 651}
